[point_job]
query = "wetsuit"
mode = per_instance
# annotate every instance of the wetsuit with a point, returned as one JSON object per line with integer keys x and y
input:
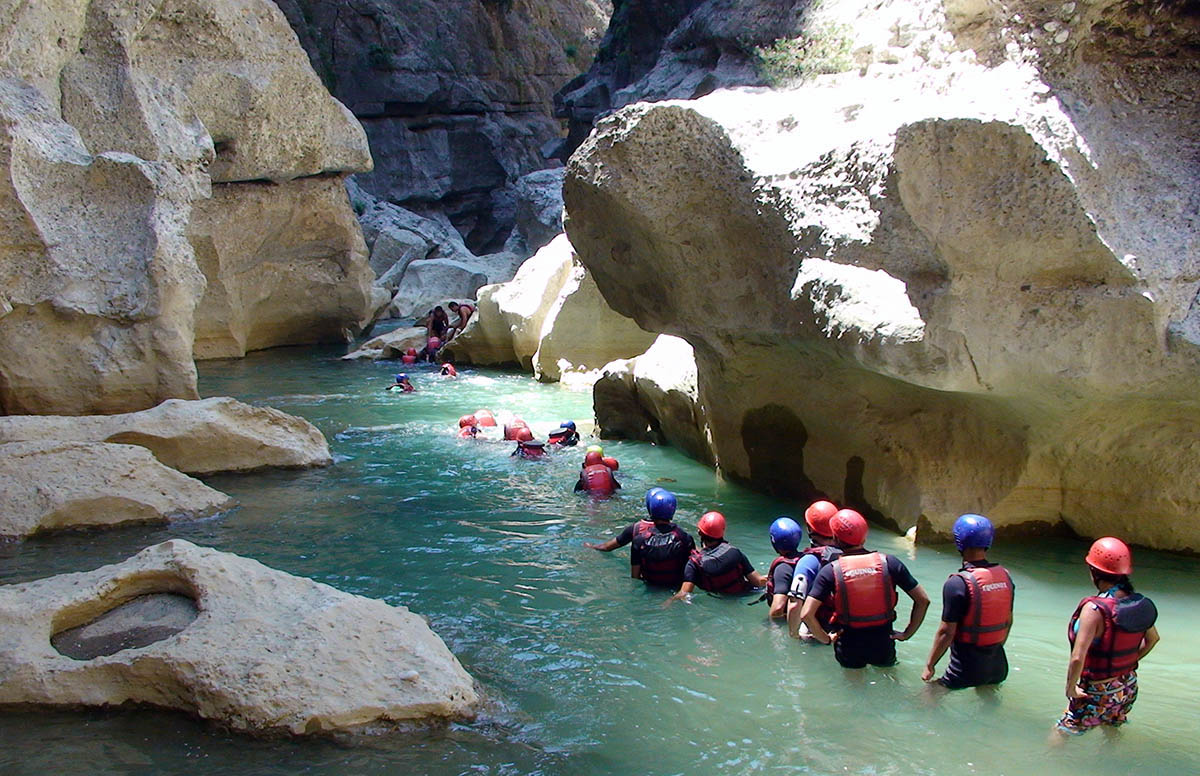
{"x": 719, "y": 569}
{"x": 857, "y": 647}
{"x": 970, "y": 665}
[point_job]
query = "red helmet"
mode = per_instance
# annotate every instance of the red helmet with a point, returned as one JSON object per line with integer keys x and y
{"x": 466, "y": 420}
{"x": 410, "y": 352}
{"x": 712, "y": 525}
{"x": 485, "y": 417}
{"x": 524, "y": 434}
{"x": 1110, "y": 555}
{"x": 817, "y": 516}
{"x": 849, "y": 527}
{"x": 592, "y": 458}
{"x": 610, "y": 462}
{"x": 434, "y": 343}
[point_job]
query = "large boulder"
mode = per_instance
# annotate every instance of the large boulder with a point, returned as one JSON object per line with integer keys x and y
{"x": 394, "y": 344}
{"x": 455, "y": 95}
{"x": 198, "y": 437}
{"x": 46, "y": 486}
{"x": 227, "y": 639}
{"x": 581, "y": 333}
{"x": 113, "y": 124}
{"x": 654, "y": 398}
{"x": 978, "y": 297}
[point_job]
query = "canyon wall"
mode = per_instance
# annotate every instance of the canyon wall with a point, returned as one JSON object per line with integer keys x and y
{"x": 960, "y": 276}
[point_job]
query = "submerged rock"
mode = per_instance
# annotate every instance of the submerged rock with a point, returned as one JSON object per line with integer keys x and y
{"x": 219, "y": 434}
{"x": 47, "y": 486}
{"x": 939, "y": 283}
{"x": 254, "y": 648}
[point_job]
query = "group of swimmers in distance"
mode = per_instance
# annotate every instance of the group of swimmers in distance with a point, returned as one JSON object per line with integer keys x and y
{"x": 836, "y": 591}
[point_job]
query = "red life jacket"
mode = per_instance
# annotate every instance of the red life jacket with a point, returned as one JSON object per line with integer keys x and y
{"x": 771, "y": 573}
{"x": 989, "y": 608}
{"x": 530, "y": 449}
{"x": 598, "y": 479}
{"x": 718, "y": 572}
{"x": 863, "y": 593}
{"x": 1115, "y": 651}
{"x": 663, "y": 555}
{"x": 407, "y": 359}
{"x": 468, "y": 432}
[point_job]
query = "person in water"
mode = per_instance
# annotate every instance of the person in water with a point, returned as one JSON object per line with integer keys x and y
{"x": 464, "y": 312}
{"x": 467, "y": 427}
{"x": 861, "y": 588}
{"x": 1109, "y": 633}
{"x": 977, "y": 607}
{"x": 785, "y": 536}
{"x": 596, "y": 477}
{"x": 660, "y": 548}
{"x": 565, "y": 435}
{"x": 719, "y": 567}
{"x": 448, "y": 369}
{"x": 410, "y": 356}
{"x": 819, "y": 554}
{"x": 526, "y": 446}
{"x": 401, "y": 384}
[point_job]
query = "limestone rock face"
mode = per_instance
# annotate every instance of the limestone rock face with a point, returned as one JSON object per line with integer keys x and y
{"x": 672, "y": 49}
{"x": 654, "y": 398}
{"x": 301, "y": 277}
{"x": 45, "y": 486}
{"x": 965, "y": 308}
{"x": 263, "y": 652}
{"x": 114, "y": 122}
{"x": 581, "y": 333}
{"x": 455, "y": 95}
{"x": 198, "y": 437}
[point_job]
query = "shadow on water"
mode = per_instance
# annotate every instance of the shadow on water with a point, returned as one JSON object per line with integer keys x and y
{"x": 586, "y": 671}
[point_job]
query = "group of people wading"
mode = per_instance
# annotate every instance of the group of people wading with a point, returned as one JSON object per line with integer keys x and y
{"x": 836, "y": 591}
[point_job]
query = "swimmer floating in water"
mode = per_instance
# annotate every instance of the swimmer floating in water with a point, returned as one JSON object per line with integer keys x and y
{"x": 565, "y": 435}
{"x": 402, "y": 384}
{"x": 526, "y": 446}
{"x": 596, "y": 476}
{"x": 467, "y": 428}
{"x": 448, "y": 369}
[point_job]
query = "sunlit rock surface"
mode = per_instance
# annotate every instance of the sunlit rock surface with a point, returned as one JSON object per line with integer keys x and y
{"x": 219, "y": 434}
{"x": 47, "y": 485}
{"x": 115, "y": 122}
{"x": 958, "y": 278}
{"x": 550, "y": 319}
{"x": 258, "y": 650}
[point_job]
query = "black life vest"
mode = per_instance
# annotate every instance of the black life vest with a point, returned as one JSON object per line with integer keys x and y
{"x": 720, "y": 570}
{"x": 771, "y": 573}
{"x": 663, "y": 553}
{"x": 989, "y": 608}
{"x": 1115, "y": 651}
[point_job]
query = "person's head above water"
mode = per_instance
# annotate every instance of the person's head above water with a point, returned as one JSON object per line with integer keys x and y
{"x": 849, "y": 529}
{"x": 567, "y": 424}
{"x": 973, "y": 531}
{"x": 401, "y": 378}
{"x": 660, "y": 504}
{"x": 785, "y": 535}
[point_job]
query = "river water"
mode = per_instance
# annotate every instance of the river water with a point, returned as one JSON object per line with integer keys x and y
{"x": 584, "y": 670}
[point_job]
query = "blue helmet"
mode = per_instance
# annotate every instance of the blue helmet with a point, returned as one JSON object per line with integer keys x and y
{"x": 660, "y": 503}
{"x": 785, "y": 534}
{"x": 401, "y": 377}
{"x": 971, "y": 530}
{"x": 567, "y": 424}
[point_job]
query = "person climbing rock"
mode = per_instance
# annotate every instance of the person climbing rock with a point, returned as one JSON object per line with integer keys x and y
{"x": 402, "y": 383}
{"x": 464, "y": 312}
{"x": 977, "y": 610}
{"x": 785, "y": 536}
{"x": 596, "y": 477}
{"x": 660, "y": 548}
{"x": 565, "y": 435}
{"x": 439, "y": 322}
{"x": 861, "y": 588}
{"x": 1109, "y": 634}
{"x": 820, "y": 553}
{"x": 430, "y": 351}
{"x": 718, "y": 567}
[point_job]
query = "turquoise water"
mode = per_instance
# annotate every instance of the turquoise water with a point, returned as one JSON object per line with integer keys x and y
{"x": 585, "y": 671}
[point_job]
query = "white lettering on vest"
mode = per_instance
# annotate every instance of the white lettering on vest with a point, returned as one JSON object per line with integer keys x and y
{"x": 994, "y": 586}
{"x": 851, "y": 573}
